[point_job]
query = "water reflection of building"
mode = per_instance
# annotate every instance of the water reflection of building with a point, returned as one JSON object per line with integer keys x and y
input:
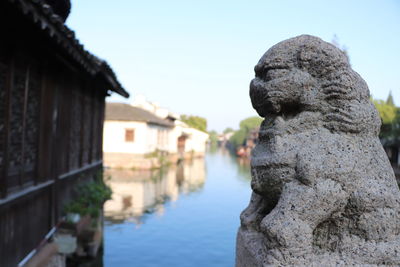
{"x": 138, "y": 192}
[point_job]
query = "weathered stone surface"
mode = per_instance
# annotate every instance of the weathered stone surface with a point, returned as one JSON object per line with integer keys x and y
{"x": 324, "y": 193}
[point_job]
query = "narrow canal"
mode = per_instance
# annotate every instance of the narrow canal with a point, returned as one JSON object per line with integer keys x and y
{"x": 186, "y": 215}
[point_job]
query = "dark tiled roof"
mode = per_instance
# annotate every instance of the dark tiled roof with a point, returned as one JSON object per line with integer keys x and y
{"x": 126, "y": 112}
{"x": 46, "y": 20}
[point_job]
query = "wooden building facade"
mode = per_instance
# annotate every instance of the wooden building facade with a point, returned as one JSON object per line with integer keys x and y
{"x": 52, "y": 99}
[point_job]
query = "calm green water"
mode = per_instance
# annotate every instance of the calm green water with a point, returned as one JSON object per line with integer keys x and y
{"x": 183, "y": 216}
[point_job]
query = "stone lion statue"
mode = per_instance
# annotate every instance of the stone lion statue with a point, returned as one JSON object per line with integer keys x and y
{"x": 324, "y": 192}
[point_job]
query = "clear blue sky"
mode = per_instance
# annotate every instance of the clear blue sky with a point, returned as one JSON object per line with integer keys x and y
{"x": 197, "y": 57}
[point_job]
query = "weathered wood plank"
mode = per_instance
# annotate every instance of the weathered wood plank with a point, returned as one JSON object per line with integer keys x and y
{"x": 24, "y": 118}
{"x": 4, "y": 113}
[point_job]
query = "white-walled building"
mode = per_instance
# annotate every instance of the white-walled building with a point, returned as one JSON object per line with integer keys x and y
{"x": 185, "y": 139}
{"x": 132, "y": 133}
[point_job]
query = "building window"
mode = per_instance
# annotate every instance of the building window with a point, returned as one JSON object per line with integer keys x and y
{"x": 129, "y": 135}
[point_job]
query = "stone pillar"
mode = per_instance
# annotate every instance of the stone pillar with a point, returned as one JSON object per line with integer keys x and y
{"x": 324, "y": 192}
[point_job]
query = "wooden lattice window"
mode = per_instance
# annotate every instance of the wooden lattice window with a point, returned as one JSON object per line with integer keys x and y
{"x": 129, "y": 135}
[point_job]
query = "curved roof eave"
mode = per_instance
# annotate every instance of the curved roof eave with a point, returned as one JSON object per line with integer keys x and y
{"x": 47, "y": 21}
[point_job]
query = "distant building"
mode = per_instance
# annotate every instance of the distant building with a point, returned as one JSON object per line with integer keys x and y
{"x": 186, "y": 141}
{"x": 135, "y": 135}
{"x": 223, "y": 139}
{"x": 52, "y": 98}
{"x": 131, "y": 132}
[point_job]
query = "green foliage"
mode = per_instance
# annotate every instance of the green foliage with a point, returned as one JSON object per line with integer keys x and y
{"x": 389, "y": 100}
{"x": 213, "y": 137}
{"x": 153, "y": 154}
{"x": 390, "y": 116}
{"x": 250, "y": 123}
{"x": 246, "y": 125}
{"x": 161, "y": 156}
{"x": 228, "y": 130}
{"x": 90, "y": 198}
{"x": 386, "y": 111}
{"x": 391, "y": 130}
{"x": 238, "y": 138}
{"x": 213, "y": 141}
{"x": 196, "y": 122}
{"x": 395, "y": 129}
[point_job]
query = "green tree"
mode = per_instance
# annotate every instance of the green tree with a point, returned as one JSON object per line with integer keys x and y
{"x": 228, "y": 130}
{"x": 389, "y": 99}
{"x": 386, "y": 111}
{"x": 390, "y": 117}
{"x": 213, "y": 137}
{"x": 238, "y": 138}
{"x": 196, "y": 122}
{"x": 395, "y": 129}
{"x": 250, "y": 123}
{"x": 246, "y": 125}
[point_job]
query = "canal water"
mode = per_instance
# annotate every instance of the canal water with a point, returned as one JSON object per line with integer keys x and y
{"x": 186, "y": 215}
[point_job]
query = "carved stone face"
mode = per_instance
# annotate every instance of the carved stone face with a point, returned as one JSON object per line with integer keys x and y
{"x": 280, "y": 85}
{"x": 277, "y": 93}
